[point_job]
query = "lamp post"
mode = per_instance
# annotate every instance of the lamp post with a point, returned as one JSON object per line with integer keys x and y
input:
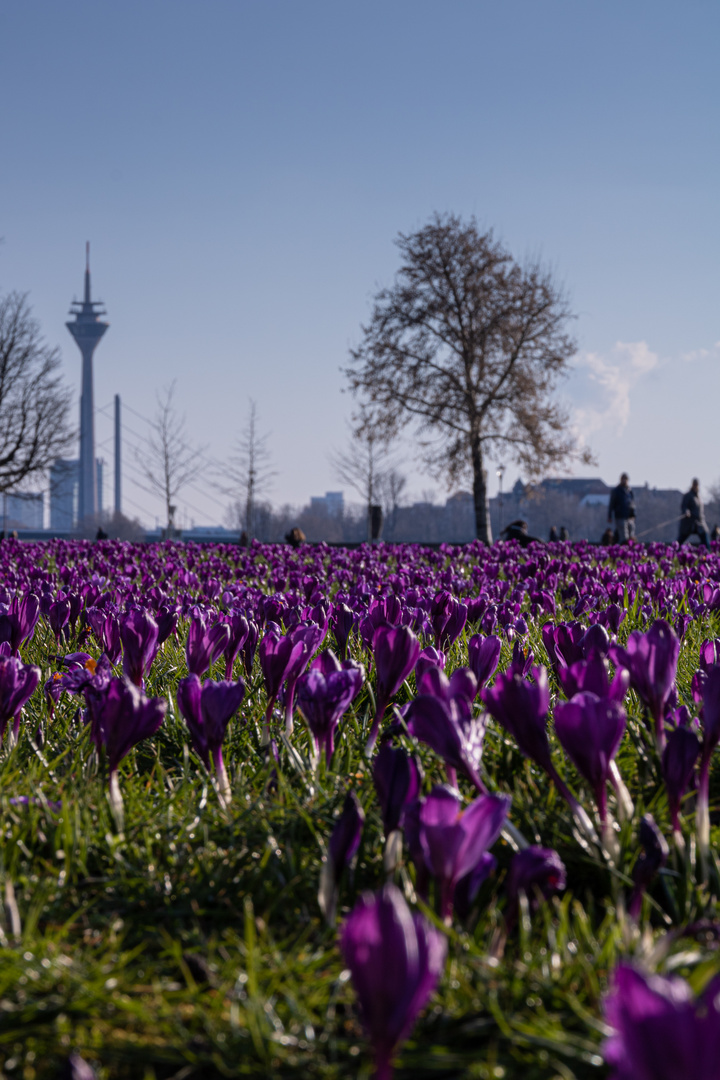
{"x": 500, "y": 471}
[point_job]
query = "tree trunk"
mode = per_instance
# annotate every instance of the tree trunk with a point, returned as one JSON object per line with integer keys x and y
{"x": 483, "y": 530}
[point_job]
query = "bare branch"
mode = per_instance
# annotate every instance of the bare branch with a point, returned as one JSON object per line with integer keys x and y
{"x": 34, "y": 403}
{"x": 169, "y": 460}
{"x": 248, "y": 475}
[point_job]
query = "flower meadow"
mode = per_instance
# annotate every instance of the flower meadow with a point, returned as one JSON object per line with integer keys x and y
{"x": 390, "y": 811}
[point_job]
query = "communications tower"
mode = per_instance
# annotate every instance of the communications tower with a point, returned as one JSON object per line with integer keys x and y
{"x": 87, "y": 329}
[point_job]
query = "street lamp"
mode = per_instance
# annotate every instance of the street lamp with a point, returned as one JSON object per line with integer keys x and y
{"x": 500, "y": 471}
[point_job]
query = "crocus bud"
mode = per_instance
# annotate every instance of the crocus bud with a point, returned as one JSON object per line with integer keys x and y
{"x": 484, "y": 657}
{"x": 678, "y": 763}
{"x": 711, "y": 736}
{"x": 395, "y": 959}
{"x": 18, "y": 682}
{"x": 651, "y": 659}
{"x": 447, "y": 617}
{"x": 205, "y": 644}
{"x": 397, "y": 778}
{"x": 208, "y": 708}
{"x": 342, "y": 623}
{"x": 139, "y": 636}
{"x": 59, "y": 616}
{"x": 429, "y": 658}
{"x": 653, "y": 858}
{"x": 536, "y": 871}
{"x": 238, "y": 633}
{"x": 342, "y": 852}
{"x": 396, "y": 652}
{"x": 590, "y": 730}
{"x": 521, "y": 707}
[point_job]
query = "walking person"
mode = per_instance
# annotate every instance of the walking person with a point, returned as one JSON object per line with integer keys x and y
{"x": 693, "y": 520}
{"x": 622, "y": 508}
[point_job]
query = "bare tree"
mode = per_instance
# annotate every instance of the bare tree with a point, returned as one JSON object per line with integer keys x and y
{"x": 169, "y": 460}
{"x": 365, "y": 465}
{"x": 249, "y": 474}
{"x": 392, "y": 485}
{"x": 34, "y": 404}
{"x": 468, "y": 346}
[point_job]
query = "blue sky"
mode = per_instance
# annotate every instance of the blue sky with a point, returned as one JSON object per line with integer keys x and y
{"x": 241, "y": 170}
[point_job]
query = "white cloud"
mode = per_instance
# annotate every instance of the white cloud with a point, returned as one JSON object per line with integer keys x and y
{"x": 602, "y": 386}
{"x": 713, "y": 353}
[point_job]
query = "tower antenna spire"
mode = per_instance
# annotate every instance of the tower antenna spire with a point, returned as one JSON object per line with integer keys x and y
{"x": 87, "y": 271}
{"x": 87, "y": 328}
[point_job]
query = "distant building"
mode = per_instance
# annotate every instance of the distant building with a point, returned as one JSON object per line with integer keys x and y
{"x": 332, "y": 503}
{"x": 25, "y": 509}
{"x": 64, "y": 492}
{"x": 576, "y": 485}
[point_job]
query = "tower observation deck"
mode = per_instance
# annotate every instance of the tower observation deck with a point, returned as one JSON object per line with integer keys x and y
{"x": 87, "y": 329}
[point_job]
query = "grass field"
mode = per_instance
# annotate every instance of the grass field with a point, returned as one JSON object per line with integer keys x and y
{"x": 191, "y": 944}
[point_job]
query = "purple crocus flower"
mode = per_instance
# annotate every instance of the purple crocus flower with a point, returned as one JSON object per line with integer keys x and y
{"x": 453, "y": 839}
{"x": 682, "y": 750}
{"x": 592, "y": 676}
{"x": 249, "y": 647}
{"x": 563, "y": 643}
{"x": 660, "y": 1031}
{"x": 395, "y": 959}
{"x": 447, "y": 618}
{"x": 612, "y": 617}
{"x": 521, "y": 707}
{"x": 95, "y": 673}
{"x": 205, "y": 644}
{"x": 55, "y": 685}
{"x": 106, "y": 628}
{"x": 18, "y": 620}
{"x": 469, "y": 886}
{"x": 280, "y": 655}
{"x": 55, "y": 806}
{"x": 139, "y": 636}
{"x": 429, "y": 658}
{"x": 590, "y": 730}
{"x": 310, "y": 635}
{"x": 396, "y": 652}
{"x": 77, "y": 1068}
{"x": 595, "y": 641}
{"x": 120, "y": 717}
{"x": 208, "y": 708}
{"x": 536, "y": 871}
{"x": 239, "y": 630}
{"x": 484, "y": 657}
{"x": 18, "y": 682}
{"x": 342, "y": 623}
{"x": 166, "y": 619}
{"x": 342, "y": 852}
{"x": 441, "y": 716}
{"x": 653, "y": 857}
{"x": 522, "y": 660}
{"x": 59, "y": 615}
{"x": 651, "y": 659}
{"x": 323, "y": 700}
